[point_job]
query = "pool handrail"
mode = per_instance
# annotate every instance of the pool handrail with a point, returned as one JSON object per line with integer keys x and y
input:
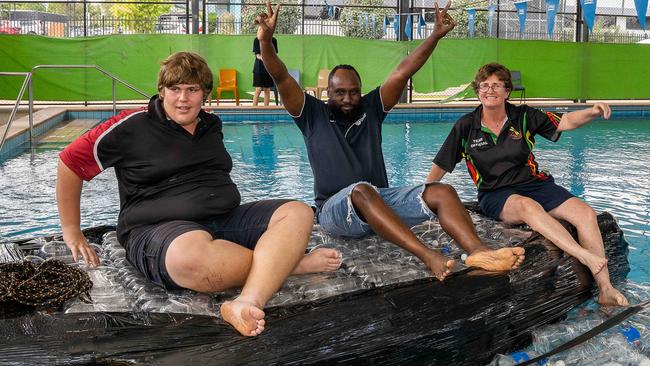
{"x": 28, "y": 84}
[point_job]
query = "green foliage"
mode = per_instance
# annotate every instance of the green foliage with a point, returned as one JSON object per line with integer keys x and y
{"x": 4, "y": 8}
{"x": 222, "y": 24}
{"x": 353, "y": 20}
{"x": 143, "y": 16}
{"x": 76, "y": 11}
{"x": 288, "y": 20}
{"x": 226, "y": 24}
{"x": 480, "y": 18}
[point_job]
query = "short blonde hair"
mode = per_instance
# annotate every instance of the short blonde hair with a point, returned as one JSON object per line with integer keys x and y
{"x": 185, "y": 68}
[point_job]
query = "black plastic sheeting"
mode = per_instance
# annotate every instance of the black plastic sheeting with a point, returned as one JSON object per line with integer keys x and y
{"x": 464, "y": 320}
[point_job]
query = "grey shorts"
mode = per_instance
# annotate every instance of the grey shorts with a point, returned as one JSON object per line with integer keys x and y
{"x": 146, "y": 246}
{"x": 338, "y": 217}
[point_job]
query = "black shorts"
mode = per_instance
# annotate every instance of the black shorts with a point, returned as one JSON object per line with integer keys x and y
{"x": 546, "y": 193}
{"x": 263, "y": 80}
{"x": 146, "y": 246}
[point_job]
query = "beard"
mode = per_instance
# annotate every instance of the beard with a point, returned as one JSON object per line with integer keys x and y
{"x": 337, "y": 114}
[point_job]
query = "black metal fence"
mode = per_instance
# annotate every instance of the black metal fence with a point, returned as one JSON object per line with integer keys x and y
{"x": 317, "y": 17}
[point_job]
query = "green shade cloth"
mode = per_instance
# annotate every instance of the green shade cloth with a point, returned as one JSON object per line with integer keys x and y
{"x": 549, "y": 69}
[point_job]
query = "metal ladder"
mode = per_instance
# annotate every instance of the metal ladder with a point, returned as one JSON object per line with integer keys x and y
{"x": 27, "y": 85}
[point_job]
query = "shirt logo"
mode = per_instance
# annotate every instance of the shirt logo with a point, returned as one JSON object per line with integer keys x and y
{"x": 478, "y": 143}
{"x": 514, "y": 134}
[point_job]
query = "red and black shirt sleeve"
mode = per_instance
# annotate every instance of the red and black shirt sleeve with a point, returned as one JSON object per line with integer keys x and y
{"x": 543, "y": 123}
{"x": 97, "y": 149}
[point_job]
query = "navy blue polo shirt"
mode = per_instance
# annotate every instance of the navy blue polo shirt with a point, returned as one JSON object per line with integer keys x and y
{"x": 499, "y": 161}
{"x": 343, "y": 154}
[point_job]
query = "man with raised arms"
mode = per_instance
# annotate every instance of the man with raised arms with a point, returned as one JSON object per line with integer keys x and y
{"x": 343, "y": 139}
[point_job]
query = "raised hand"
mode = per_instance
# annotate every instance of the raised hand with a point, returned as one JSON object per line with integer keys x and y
{"x": 444, "y": 21}
{"x": 601, "y": 109}
{"x": 266, "y": 22}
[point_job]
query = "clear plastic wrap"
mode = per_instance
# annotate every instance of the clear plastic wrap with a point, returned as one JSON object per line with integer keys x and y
{"x": 381, "y": 307}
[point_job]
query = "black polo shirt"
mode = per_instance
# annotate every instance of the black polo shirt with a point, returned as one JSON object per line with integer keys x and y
{"x": 164, "y": 172}
{"x": 494, "y": 162}
{"x": 342, "y": 154}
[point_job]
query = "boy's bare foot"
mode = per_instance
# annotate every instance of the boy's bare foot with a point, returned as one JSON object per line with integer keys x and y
{"x": 611, "y": 297}
{"x": 439, "y": 265}
{"x": 247, "y": 318}
{"x": 503, "y": 259}
{"x": 319, "y": 260}
{"x": 593, "y": 262}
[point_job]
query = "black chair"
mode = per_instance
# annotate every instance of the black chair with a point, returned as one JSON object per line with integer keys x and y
{"x": 517, "y": 86}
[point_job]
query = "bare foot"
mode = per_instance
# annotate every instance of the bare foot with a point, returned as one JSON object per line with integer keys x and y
{"x": 503, "y": 259}
{"x": 593, "y": 262}
{"x": 247, "y": 318}
{"x": 611, "y": 297}
{"x": 319, "y": 260}
{"x": 439, "y": 265}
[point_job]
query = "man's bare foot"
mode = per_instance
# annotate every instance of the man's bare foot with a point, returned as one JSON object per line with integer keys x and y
{"x": 593, "y": 262}
{"x": 319, "y": 260}
{"x": 247, "y": 318}
{"x": 439, "y": 265}
{"x": 611, "y": 297}
{"x": 503, "y": 259}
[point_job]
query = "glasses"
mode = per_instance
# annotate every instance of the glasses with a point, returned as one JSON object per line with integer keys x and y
{"x": 495, "y": 87}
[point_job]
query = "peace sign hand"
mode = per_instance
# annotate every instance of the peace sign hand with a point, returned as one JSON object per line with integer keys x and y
{"x": 444, "y": 21}
{"x": 266, "y": 22}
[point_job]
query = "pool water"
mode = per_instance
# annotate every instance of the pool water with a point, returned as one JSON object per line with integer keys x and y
{"x": 603, "y": 163}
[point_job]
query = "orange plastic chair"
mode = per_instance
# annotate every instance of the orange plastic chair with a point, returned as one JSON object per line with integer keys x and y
{"x": 227, "y": 83}
{"x": 321, "y": 85}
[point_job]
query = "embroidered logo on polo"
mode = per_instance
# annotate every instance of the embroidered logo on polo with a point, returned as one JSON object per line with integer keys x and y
{"x": 478, "y": 143}
{"x": 514, "y": 134}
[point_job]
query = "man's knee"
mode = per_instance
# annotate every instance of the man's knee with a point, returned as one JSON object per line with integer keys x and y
{"x": 364, "y": 192}
{"x": 439, "y": 192}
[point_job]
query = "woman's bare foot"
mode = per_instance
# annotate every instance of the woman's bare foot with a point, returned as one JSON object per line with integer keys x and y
{"x": 610, "y": 296}
{"x": 319, "y": 260}
{"x": 593, "y": 262}
{"x": 503, "y": 259}
{"x": 244, "y": 316}
{"x": 439, "y": 265}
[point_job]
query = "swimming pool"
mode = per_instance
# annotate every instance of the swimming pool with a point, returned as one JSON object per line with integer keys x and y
{"x": 602, "y": 163}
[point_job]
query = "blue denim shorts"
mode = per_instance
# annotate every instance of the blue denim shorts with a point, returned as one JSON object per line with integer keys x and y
{"x": 338, "y": 217}
{"x": 548, "y": 194}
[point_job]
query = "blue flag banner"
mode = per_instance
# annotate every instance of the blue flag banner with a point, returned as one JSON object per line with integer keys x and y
{"x": 589, "y": 10}
{"x": 641, "y": 11}
{"x": 522, "y": 10}
{"x": 422, "y": 24}
{"x": 396, "y": 26}
{"x": 551, "y": 12}
{"x": 491, "y": 11}
{"x": 330, "y": 11}
{"x": 470, "y": 21}
{"x": 408, "y": 30}
{"x": 374, "y": 23}
{"x": 386, "y": 21}
{"x": 366, "y": 22}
